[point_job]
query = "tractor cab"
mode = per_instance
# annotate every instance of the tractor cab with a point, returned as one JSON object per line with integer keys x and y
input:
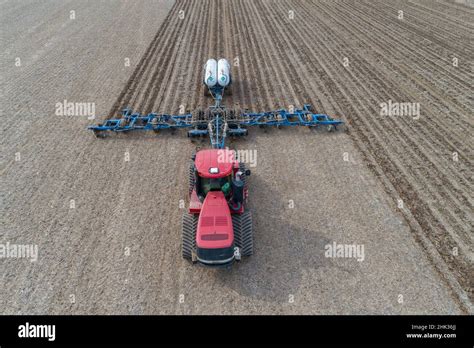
{"x": 214, "y": 171}
{"x": 206, "y": 185}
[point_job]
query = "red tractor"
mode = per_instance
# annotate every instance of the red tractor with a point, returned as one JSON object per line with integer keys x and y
{"x": 217, "y": 229}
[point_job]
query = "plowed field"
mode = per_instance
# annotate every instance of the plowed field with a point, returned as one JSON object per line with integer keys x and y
{"x": 399, "y": 184}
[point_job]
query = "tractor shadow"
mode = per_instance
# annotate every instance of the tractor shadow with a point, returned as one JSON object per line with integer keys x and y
{"x": 283, "y": 250}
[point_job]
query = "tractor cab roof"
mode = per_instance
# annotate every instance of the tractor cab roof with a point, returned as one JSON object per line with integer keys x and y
{"x": 214, "y": 163}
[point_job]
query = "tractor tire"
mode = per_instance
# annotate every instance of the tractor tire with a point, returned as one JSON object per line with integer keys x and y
{"x": 243, "y": 232}
{"x": 188, "y": 235}
{"x": 191, "y": 177}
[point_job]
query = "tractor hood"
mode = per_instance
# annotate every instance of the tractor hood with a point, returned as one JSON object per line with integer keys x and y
{"x": 214, "y": 163}
{"x": 215, "y": 223}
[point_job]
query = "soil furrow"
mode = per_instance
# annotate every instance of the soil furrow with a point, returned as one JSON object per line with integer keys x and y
{"x": 130, "y": 88}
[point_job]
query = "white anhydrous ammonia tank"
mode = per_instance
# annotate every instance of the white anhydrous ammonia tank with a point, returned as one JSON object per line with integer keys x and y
{"x": 210, "y": 73}
{"x": 223, "y": 72}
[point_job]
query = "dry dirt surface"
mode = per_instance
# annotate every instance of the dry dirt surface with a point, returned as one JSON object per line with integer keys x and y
{"x": 105, "y": 214}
